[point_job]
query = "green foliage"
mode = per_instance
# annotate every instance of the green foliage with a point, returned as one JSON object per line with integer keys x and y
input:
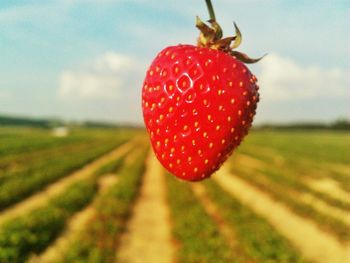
{"x": 100, "y": 238}
{"x": 295, "y": 146}
{"x": 32, "y": 232}
{"x": 198, "y": 236}
{"x": 110, "y": 167}
{"x": 255, "y": 235}
{"x": 18, "y": 121}
{"x": 289, "y": 158}
{"x": 283, "y": 194}
{"x": 45, "y": 159}
{"x": 340, "y": 124}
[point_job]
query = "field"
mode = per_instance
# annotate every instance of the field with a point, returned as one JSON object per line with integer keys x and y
{"x": 99, "y": 195}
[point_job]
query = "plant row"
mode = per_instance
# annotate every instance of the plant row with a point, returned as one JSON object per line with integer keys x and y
{"x": 34, "y": 231}
{"x": 17, "y": 142}
{"x": 256, "y": 237}
{"x": 290, "y": 198}
{"x": 100, "y": 238}
{"x": 16, "y": 188}
{"x": 196, "y": 233}
{"x": 302, "y": 153}
{"x": 289, "y": 179}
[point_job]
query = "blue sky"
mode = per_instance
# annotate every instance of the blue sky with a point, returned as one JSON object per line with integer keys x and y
{"x": 85, "y": 59}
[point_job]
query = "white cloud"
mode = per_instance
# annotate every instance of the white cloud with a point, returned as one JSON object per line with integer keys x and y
{"x": 105, "y": 78}
{"x": 282, "y": 79}
{"x": 291, "y": 91}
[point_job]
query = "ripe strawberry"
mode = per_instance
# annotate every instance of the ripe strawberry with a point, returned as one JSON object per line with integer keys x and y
{"x": 198, "y": 103}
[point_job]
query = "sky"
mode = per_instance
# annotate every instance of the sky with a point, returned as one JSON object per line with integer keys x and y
{"x": 86, "y": 59}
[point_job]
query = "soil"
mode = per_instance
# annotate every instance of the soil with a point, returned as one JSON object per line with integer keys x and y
{"x": 313, "y": 243}
{"x": 330, "y": 187}
{"x": 148, "y": 237}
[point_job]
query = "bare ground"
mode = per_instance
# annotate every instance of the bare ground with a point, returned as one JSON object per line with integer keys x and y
{"x": 325, "y": 185}
{"x": 325, "y": 208}
{"x": 339, "y": 168}
{"x": 330, "y": 187}
{"x": 250, "y": 162}
{"x": 313, "y": 243}
{"x": 41, "y": 198}
{"x": 148, "y": 236}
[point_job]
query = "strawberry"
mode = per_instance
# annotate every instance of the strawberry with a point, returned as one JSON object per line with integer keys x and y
{"x": 198, "y": 103}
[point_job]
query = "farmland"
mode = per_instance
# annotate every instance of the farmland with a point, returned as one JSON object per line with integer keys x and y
{"x": 99, "y": 195}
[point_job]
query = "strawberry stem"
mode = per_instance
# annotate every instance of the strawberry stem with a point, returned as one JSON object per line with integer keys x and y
{"x": 210, "y": 10}
{"x": 210, "y": 36}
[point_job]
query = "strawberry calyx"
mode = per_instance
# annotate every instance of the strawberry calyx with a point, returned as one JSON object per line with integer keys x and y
{"x": 211, "y": 36}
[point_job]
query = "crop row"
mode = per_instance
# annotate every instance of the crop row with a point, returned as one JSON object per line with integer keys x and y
{"x": 286, "y": 177}
{"x": 303, "y": 154}
{"x": 99, "y": 240}
{"x": 34, "y": 231}
{"x": 200, "y": 239}
{"x": 317, "y": 147}
{"x": 20, "y": 185}
{"x": 196, "y": 233}
{"x": 256, "y": 237}
{"x": 290, "y": 197}
{"x": 50, "y": 148}
{"x": 16, "y": 142}
{"x": 39, "y": 160}
{"x": 298, "y": 168}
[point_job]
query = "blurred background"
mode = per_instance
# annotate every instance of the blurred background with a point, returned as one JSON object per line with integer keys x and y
{"x": 78, "y": 182}
{"x": 77, "y": 60}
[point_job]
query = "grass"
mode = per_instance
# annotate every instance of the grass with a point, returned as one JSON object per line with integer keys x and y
{"x": 256, "y": 237}
{"x": 34, "y": 231}
{"x": 305, "y": 154}
{"x": 325, "y": 221}
{"x": 99, "y": 241}
{"x": 284, "y": 178}
{"x": 198, "y": 237}
{"x": 31, "y": 159}
{"x": 284, "y": 181}
{"x": 322, "y": 146}
{"x": 30, "y": 172}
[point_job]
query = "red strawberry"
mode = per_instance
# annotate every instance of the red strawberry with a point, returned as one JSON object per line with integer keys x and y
{"x": 198, "y": 104}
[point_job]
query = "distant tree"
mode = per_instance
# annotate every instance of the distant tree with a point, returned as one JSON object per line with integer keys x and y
{"x": 341, "y": 124}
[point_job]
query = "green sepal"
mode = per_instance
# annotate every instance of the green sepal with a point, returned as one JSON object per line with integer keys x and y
{"x": 207, "y": 34}
{"x": 224, "y": 43}
{"x": 217, "y": 29}
{"x": 211, "y": 37}
{"x": 238, "y": 39}
{"x": 245, "y": 58}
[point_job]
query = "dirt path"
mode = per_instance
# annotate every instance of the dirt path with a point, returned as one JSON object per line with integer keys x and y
{"x": 214, "y": 212}
{"x": 148, "y": 235}
{"x": 339, "y": 168}
{"x": 42, "y": 197}
{"x": 75, "y": 225}
{"x": 330, "y": 187}
{"x": 325, "y": 208}
{"x": 314, "y": 244}
{"x": 325, "y": 185}
{"x": 248, "y": 161}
